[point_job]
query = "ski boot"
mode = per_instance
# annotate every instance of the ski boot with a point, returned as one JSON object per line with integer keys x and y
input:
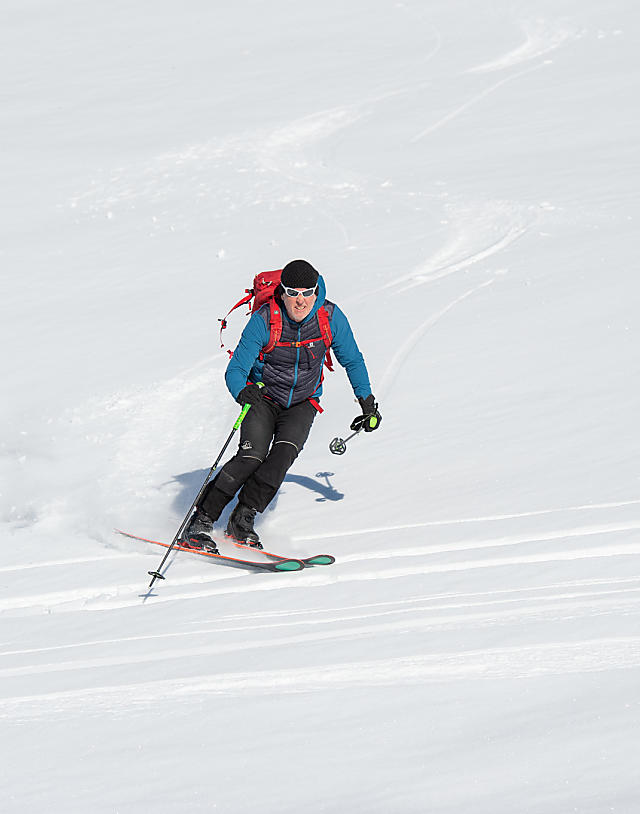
{"x": 240, "y": 526}
{"x": 197, "y": 534}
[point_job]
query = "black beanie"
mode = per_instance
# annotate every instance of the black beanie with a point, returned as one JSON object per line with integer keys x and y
{"x": 299, "y": 274}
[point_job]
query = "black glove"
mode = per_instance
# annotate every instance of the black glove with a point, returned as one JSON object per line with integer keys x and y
{"x": 251, "y": 394}
{"x": 370, "y": 418}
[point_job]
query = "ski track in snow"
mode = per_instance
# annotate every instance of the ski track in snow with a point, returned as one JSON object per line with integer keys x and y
{"x": 401, "y": 562}
{"x": 536, "y": 661}
{"x": 540, "y": 39}
{"x": 281, "y": 153}
{"x": 280, "y": 159}
{"x": 64, "y": 563}
{"x": 467, "y": 520}
{"x": 479, "y": 232}
{"x": 402, "y": 355}
{"x": 104, "y": 597}
{"x": 329, "y": 615}
{"x": 458, "y": 111}
{"x": 559, "y": 601}
{"x": 75, "y": 667}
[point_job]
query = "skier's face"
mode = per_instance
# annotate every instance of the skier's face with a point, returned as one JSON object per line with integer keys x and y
{"x": 298, "y": 307}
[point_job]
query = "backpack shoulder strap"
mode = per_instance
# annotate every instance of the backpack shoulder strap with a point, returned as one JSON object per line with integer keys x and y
{"x": 275, "y": 326}
{"x": 325, "y": 333}
{"x": 325, "y": 327}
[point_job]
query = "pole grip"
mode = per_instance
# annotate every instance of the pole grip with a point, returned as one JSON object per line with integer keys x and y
{"x": 244, "y": 412}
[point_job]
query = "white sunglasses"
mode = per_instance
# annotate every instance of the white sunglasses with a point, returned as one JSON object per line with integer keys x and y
{"x": 294, "y": 292}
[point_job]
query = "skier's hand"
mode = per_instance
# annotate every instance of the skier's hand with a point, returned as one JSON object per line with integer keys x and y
{"x": 251, "y": 394}
{"x": 370, "y": 418}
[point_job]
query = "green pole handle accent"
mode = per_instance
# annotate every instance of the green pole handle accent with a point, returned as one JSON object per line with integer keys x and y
{"x": 244, "y": 412}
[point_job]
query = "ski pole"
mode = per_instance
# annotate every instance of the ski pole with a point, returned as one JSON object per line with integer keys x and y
{"x": 157, "y": 573}
{"x": 339, "y": 445}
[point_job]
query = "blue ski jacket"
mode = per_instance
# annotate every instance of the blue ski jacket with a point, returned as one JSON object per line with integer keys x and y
{"x": 293, "y": 373}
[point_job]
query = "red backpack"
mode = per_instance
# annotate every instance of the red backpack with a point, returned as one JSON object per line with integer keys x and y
{"x": 264, "y": 288}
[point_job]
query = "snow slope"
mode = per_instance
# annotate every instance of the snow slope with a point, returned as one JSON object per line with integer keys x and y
{"x": 466, "y": 179}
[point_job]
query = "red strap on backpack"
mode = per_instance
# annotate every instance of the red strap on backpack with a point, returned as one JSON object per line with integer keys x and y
{"x": 325, "y": 333}
{"x": 275, "y": 327}
{"x": 223, "y": 321}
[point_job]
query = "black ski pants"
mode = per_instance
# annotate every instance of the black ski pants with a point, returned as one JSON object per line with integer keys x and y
{"x": 271, "y": 438}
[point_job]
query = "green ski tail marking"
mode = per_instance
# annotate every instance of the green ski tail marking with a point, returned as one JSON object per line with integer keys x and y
{"x": 288, "y": 565}
{"x": 320, "y": 559}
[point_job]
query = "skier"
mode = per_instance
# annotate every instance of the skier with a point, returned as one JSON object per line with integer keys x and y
{"x": 283, "y": 405}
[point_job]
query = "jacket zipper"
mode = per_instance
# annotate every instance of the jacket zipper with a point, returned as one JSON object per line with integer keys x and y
{"x": 295, "y": 373}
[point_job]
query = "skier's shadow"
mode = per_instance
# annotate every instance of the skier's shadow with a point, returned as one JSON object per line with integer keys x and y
{"x": 190, "y": 483}
{"x": 325, "y": 489}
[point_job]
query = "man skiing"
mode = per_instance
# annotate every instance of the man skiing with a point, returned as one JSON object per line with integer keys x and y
{"x": 282, "y": 386}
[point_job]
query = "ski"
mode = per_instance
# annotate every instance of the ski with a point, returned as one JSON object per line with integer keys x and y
{"x": 283, "y": 564}
{"x": 317, "y": 559}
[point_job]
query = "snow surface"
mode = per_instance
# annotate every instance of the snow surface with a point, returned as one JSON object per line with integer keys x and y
{"x": 466, "y": 176}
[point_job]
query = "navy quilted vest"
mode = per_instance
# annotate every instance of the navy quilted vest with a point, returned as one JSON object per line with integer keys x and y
{"x": 293, "y": 369}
